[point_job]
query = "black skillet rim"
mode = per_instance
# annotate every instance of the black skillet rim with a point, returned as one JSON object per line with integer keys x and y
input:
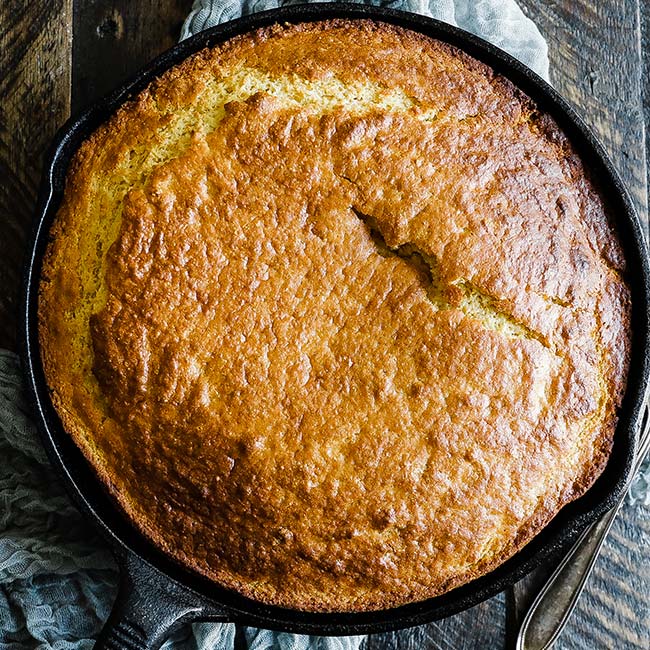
{"x": 93, "y": 501}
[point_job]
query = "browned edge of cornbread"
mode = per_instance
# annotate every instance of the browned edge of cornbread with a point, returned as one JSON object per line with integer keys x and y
{"x": 64, "y": 388}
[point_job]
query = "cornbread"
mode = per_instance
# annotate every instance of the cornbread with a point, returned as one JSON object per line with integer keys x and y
{"x": 336, "y": 314}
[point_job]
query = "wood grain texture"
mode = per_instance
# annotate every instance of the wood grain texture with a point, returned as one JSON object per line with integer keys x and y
{"x": 115, "y": 38}
{"x": 35, "y": 59}
{"x": 645, "y": 84}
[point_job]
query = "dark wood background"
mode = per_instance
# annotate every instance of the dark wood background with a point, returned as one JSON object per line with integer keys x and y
{"x": 57, "y": 56}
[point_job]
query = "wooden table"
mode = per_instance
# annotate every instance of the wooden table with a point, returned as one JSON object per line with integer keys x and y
{"x": 56, "y": 56}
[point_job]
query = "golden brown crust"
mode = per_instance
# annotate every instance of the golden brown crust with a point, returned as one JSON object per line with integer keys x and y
{"x": 338, "y": 332}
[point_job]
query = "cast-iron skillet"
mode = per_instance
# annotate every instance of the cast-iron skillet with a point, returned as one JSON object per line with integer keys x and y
{"x": 157, "y": 594}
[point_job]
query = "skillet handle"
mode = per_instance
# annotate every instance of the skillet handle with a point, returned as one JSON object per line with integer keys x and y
{"x": 149, "y": 607}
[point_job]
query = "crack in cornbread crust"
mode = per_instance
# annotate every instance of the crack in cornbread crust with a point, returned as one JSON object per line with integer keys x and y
{"x": 272, "y": 399}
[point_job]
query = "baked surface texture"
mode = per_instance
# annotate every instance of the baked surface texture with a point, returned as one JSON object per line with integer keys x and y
{"x": 336, "y": 315}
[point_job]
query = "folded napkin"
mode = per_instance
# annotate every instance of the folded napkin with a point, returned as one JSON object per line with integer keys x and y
{"x": 58, "y": 579}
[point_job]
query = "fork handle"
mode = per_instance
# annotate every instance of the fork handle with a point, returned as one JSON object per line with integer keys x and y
{"x": 552, "y": 608}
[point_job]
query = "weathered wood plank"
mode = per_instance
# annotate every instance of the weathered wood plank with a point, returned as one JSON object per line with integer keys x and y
{"x": 35, "y": 61}
{"x": 645, "y": 83}
{"x": 113, "y": 39}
